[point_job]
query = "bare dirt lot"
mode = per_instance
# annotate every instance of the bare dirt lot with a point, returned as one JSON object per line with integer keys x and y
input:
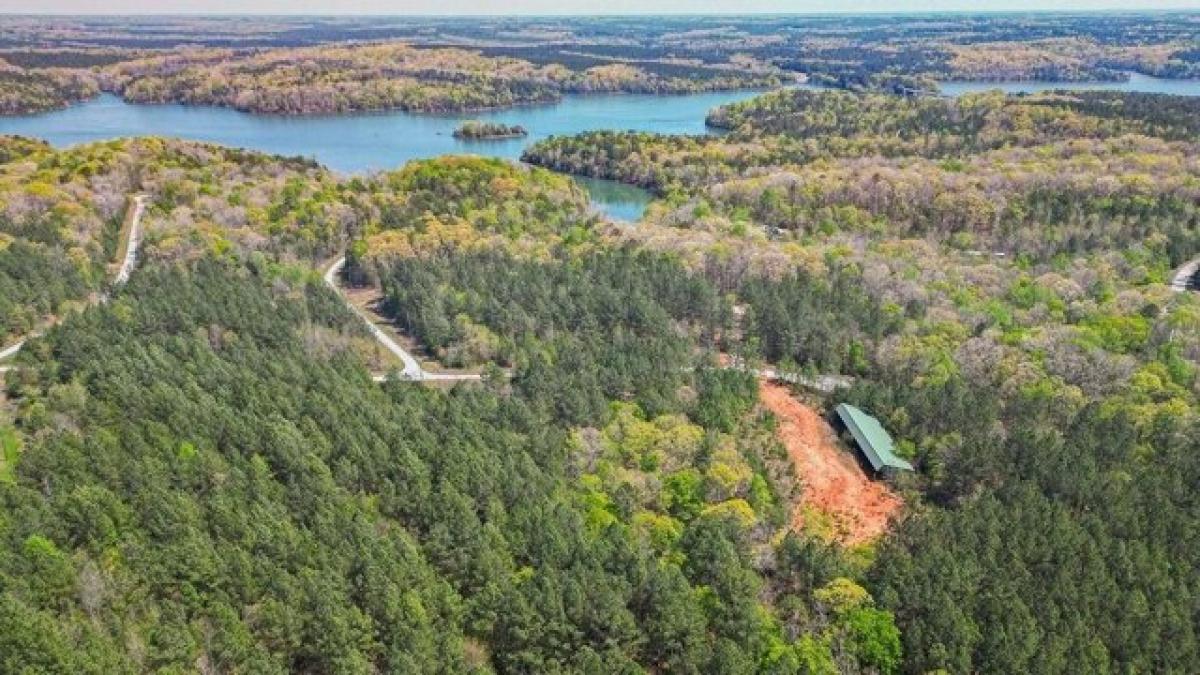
{"x": 835, "y": 486}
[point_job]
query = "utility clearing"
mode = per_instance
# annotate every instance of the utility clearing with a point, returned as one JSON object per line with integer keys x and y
{"x": 835, "y": 487}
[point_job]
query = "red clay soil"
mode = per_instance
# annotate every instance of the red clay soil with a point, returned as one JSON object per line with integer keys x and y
{"x": 834, "y": 483}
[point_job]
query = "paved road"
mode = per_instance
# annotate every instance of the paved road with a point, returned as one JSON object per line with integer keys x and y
{"x": 127, "y": 265}
{"x": 1184, "y": 275}
{"x": 412, "y": 368}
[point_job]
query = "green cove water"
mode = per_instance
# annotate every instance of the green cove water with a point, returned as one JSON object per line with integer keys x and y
{"x": 357, "y": 143}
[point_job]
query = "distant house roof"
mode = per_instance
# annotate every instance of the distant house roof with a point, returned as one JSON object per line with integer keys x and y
{"x": 872, "y": 439}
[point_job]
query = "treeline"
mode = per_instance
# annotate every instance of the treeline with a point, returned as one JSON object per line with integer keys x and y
{"x": 384, "y": 76}
{"x": 898, "y": 55}
{"x": 987, "y": 171}
{"x": 701, "y": 70}
{"x": 939, "y": 126}
{"x": 64, "y": 58}
{"x": 25, "y": 92}
{"x": 490, "y": 194}
{"x": 862, "y": 66}
{"x": 656, "y": 162}
{"x": 1174, "y": 118}
{"x": 198, "y": 481}
{"x": 18, "y": 147}
{"x": 326, "y": 80}
{"x": 793, "y": 127}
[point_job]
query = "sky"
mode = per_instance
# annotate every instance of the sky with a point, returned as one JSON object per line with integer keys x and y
{"x": 476, "y": 7}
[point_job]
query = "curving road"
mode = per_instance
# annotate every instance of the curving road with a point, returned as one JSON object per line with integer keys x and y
{"x": 127, "y": 264}
{"x": 1185, "y": 276}
{"x": 412, "y": 368}
{"x": 413, "y": 371}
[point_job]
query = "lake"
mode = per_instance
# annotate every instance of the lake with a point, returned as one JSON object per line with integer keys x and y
{"x": 1136, "y": 82}
{"x": 371, "y": 141}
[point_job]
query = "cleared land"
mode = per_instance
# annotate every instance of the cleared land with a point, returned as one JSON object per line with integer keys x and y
{"x": 835, "y": 486}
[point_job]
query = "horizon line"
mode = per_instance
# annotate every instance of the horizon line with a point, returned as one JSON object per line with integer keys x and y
{"x": 581, "y": 15}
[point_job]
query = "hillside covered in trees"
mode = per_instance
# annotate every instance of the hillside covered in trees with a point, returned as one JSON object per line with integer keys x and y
{"x": 206, "y": 475}
{"x": 24, "y": 92}
{"x": 202, "y": 475}
{"x": 338, "y": 79}
{"x": 62, "y": 211}
{"x": 993, "y": 272}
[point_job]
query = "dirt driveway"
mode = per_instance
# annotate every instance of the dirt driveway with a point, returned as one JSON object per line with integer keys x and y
{"x": 834, "y": 483}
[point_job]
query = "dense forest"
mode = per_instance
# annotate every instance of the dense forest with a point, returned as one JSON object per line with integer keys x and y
{"x": 54, "y": 241}
{"x": 488, "y": 308}
{"x": 1031, "y": 362}
{"x": 203, "y": 480}
{"x": 800, "y": 127}
{"x": 202, "y": 474}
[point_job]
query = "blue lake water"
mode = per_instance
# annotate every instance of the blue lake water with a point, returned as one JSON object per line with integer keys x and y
{"x": 375, "y": 141}
{"x": 1136, "y": 82}
{"x": 366, "y": 142}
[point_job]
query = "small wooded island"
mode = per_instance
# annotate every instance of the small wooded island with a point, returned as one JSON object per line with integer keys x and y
{"x": 477, "y": 131}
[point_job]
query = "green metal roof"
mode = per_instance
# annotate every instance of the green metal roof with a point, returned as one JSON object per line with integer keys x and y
{"x": 872, "y": 439}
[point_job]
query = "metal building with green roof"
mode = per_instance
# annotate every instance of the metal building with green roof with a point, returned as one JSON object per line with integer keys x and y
{"x": 874, "y": 442}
